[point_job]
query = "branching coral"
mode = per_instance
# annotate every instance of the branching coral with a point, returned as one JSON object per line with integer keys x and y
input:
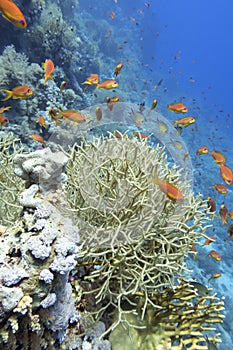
{"x": 15, "y": 68}
{"x": 134, "y": 238}
{"x": 10, "y": 184}
{"x": 179, "y": 321}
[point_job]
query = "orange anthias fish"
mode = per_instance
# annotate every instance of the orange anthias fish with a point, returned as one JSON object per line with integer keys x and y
{"x": 107, "y": 85}
{"x": 113, "y": 99}
{"x": 48, "y": 66}
{"x": 184, "y": 121}
{"x": 202, "y": 150}
{"x": 215, "y": 255}
{"x": 170, "y": 190}
{"x": 177, "y": 108}
{"x": 218, "y": 157}
{"x": 3, "y": 109}
{"x": 41, "y": 121}
{"x": 209, "y": 240}
{"x": 38, "y": 138}
{"x": 93, "y": 79}
{"x": 211, "y": 204}
{"x": 12, "y": 13}
{"x": 223, "y": 212}
{"x": 220, "y": 188}
{"x": 22, "y": 91}
{"x": 226, "y": 174}
{"x": 141, "y": 135}
{"x": 3, "y": 120}
{"x": 72, "y": 115}
{"x": 230, "y": 231}
{"x": 118, "y": 69}
{"x": 54, "y": 116}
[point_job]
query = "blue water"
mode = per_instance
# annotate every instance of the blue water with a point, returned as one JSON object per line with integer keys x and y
{"x": 172, "y": 51}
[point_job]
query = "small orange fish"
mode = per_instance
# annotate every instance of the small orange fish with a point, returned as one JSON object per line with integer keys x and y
{"x": 177, "y": 107}
{"x": 226, "y": 174}
{"x": 215, "y": 255}
{"x": 220, "y": 188}
{"x": 211, "y": 204}
{"x": 230, "y": 231}
{"x": 41, "y": 121}
{"x": 3, "y": 120}
{"x": 63, "y": 85}
{"x": 48, "y": 66}
{"x": 107, "y": 85}
{"x": 54, "y": 116}
{"x": 22, "y": 91}
{"x": 218, "y": 157}
{"x": 72, "y": 115}
{"x": 38, "y": 138}
{"x": 223, "y": 212}
{"x": 12, "y": 13}
{"x": 209, "y": 240}
{"x": 214, "y": 276}
{"x": 118, "y": 135}
{"x": 140, "y": 135}
{"x": 169, "y": 189}
{"x": 184, "y": 121}
{"x": 118, "y": 68}
{"x": 93, "y": 79}
{"x": 98, "y": 113}
{"x": 202, "y": 150}
{"x": 230, "y": 214}
{"x": 3, "y": 109}
{"x": 113, "y": 99}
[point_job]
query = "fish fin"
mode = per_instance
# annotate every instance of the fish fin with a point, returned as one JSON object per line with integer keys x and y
{"x": 9, "y": 94}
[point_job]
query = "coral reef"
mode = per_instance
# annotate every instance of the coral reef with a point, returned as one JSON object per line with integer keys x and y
{"x": 16, "y": 69}
{"x": 107, "y": 240}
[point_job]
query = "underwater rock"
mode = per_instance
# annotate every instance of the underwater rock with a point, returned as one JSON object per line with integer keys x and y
{"x": 10, "y": 297}
{"x": 43, "y": 167}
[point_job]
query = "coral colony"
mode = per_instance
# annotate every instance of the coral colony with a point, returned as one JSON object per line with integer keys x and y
{"x": 96, "y": 250}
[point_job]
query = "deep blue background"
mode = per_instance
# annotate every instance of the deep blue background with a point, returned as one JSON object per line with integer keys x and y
{"x": 202, "y": 31}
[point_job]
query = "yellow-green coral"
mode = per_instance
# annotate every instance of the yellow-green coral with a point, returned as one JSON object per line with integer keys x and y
{"x": 10, "y": 184}
{"x": 134, "y": 238}
{"x": 179, "y": 320}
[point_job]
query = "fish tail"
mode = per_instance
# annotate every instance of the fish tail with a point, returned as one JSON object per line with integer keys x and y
{"x": 8, "y": 94}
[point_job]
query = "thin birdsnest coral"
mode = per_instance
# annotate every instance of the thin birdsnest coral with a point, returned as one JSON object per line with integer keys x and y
{"x": 10, "y": 184}
{"x": 180, "y": 321}
{"x": 134, "y": 237}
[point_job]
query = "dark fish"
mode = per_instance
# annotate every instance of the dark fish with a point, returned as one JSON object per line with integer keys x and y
{"x": 202, "y": 290}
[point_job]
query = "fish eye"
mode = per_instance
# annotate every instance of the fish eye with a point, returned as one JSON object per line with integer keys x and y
{"x": 22, "y": 21}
